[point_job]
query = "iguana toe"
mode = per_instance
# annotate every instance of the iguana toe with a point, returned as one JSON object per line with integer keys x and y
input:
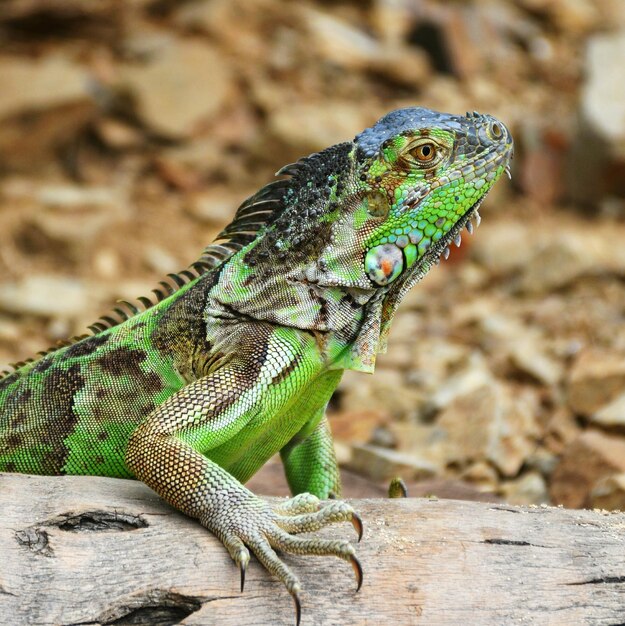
{"x": 239, "y": 553}
{"x": 397, "y": 488}
{"x": 301, "y": 503}
{"x": 332, "y": 512}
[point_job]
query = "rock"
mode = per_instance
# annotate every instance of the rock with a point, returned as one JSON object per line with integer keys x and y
{"x": 592, "y": 456}
{"x": 216, "y": 206}
{"x": 160, "y": 260}
{"x": 523, "y": 346}
{"x": 543, "y": 260}
{"x": 540, "y": 176}
{"x": 599, "y": 145}
{"x": 392, "y": 20}
{"x": 92, "y": 22}
{"x": 356, "y": 426}
{"x": 491, "y": 423}
{"x": 31, "y": 143}
{"x": 343, "y": 453}
{"x": 436, "y": 359}
{"x": 197, "y": 156}
{"x": 530, "y": 488}
{"x": 9, "y": 330}
{"x": 400, "y": 351}
{"x": 176, "y": 175}
{"x": 33, "y": 85}
{"x": 561, "y": 429}
{"x": 107, "y": 263}
{"x": 473, "y": 377}
{"x": 385, "y": 393}
{"x": 71, "y": 197}
{"x": 603, "y": 94}
{"x": 74, "y": 213}
{"x": 571, "y": 16}
{"x": 529, "y": 358}
{"x": 345, "y": 45}
{"x": 503, "y": 247}
{"x": 555, "y": 263}
{"x": 597, "y": 378}
{"x": 185, "y": 83}
{"x": 382, "y": 437}
{"x": 612, "y": 414}
{"x": 308, "y": 127}
{"x": 118, "y": 135}
{"x": 482, "y": 475}
{"x": 427, "y": 441}
{"x": 44, "y": 104}
{"x": 542, "y": 460}
{"x": 609, "y": 493}
{"x": 339, "y": 41}
{"x": 45, "y": 296}
{"x": 198, "y": 15}
{"x": 384, "y": 464}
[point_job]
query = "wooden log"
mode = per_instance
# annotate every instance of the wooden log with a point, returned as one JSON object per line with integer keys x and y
{"x": 88, "y": 550}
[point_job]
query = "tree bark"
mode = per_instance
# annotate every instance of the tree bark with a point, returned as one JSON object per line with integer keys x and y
{"x": 89, "y": 550}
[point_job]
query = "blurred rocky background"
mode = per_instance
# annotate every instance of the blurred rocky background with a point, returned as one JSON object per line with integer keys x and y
{"x": 130, "y": 131}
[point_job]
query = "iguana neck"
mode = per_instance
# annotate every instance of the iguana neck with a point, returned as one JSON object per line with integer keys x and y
{"x": 300, "y": 271}
{"x": 345, "y": 319}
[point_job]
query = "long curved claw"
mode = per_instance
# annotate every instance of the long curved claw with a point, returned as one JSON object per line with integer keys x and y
{"x": 355, "y": 563}
{"x": 298, "y": 607}
{"x": 243, "y": 568}
{"x": 357, "y": 524}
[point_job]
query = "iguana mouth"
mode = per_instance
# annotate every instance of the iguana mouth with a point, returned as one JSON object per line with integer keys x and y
{"x": 441, "y": 249}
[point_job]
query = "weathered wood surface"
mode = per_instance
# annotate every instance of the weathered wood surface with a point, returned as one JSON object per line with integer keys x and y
{"x": 102, "y": 551}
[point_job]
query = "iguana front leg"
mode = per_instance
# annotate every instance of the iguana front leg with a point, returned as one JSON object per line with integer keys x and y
{"x": 310, "y": 462}
{"x": 167, "y": 452}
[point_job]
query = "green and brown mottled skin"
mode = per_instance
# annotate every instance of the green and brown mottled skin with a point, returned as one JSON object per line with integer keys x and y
{"x": 193, "y": 395}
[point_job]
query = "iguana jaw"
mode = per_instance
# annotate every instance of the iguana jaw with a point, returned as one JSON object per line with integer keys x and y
{"x": 440, "y": 250}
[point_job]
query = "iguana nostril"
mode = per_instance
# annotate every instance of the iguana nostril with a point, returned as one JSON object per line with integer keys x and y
{"x": 496, "y": 132}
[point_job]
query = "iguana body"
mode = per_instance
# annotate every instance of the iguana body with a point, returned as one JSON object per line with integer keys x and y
{"x": 195, "y": 394}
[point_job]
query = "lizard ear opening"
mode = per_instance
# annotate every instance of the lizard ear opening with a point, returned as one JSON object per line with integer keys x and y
{"x": 377, "y": 204}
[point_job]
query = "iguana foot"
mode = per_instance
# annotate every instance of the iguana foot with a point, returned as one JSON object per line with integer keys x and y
{"x": 255, "y": 525}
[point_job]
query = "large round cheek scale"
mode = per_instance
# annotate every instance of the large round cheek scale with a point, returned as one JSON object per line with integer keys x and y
{"x": 384, "y": 264}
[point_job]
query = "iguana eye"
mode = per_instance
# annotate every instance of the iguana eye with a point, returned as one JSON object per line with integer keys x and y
{"x": 424, "y": 152}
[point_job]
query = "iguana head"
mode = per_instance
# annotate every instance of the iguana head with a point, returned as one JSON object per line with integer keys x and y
{"x": 416, "y": 179}
{"x": 423, "y": 176}
{"x": 338, "y": 243}
{"x": 370, "y": 212}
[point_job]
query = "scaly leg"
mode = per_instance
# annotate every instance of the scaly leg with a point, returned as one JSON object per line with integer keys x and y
{"x": 310, "y": 462}
{"x": 167, "y": 453}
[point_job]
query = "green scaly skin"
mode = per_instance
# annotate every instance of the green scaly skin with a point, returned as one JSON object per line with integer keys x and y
{"x": 193, "y": 395}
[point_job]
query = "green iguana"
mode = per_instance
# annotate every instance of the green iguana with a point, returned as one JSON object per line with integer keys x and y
{"x": 238, "y": 362}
